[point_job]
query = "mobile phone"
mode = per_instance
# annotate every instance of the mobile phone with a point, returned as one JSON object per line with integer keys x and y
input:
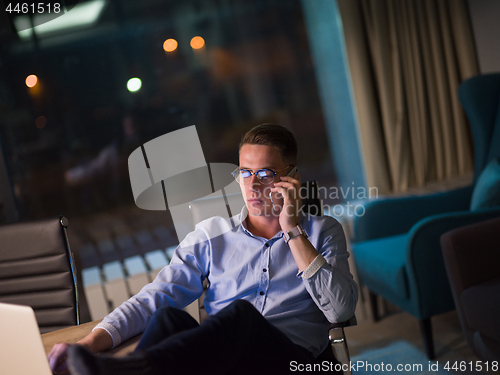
{"x": 291, "y": 173}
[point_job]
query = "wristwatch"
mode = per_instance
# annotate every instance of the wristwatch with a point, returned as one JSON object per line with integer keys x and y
{"x": 297, "y": 231}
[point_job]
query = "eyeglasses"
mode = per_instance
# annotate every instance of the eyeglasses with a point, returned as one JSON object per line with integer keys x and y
{"x": 265, "y": 176}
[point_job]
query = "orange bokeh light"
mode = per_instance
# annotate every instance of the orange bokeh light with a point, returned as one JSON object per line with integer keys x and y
{"x": 170, "y": 45}
{"x": 31, "y": 80}
{"x": 197, "y": 42}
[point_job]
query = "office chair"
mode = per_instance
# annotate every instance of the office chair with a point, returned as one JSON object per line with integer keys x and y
{"x": 37, "y": 269}
{"x": 396, "y": 242}
{"x": 311, "y": 204}
{"x": 471, "y": 256}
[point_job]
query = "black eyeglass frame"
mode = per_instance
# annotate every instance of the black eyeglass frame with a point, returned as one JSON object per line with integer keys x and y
{"x": 256, "y": 173}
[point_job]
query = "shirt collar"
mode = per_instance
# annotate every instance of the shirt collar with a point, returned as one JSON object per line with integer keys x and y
{"x": 243, "y": 223}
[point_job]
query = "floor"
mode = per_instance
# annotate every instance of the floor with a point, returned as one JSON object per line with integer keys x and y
{"x": 395, "y": 325}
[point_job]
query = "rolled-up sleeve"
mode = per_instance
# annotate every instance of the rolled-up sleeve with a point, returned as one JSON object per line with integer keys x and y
{"x": 328, "y": 279}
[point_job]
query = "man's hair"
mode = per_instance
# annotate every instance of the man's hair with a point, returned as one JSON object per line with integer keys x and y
{"x": 273, "y": 135}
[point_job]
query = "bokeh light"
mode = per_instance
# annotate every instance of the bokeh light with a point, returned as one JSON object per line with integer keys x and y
{"x": 40, "y": 122}
{"x": 170, "y": 45}
{"x": 134, "y": 84}
{"x": 31, "y": 80}
{"x": 197, "y": 42}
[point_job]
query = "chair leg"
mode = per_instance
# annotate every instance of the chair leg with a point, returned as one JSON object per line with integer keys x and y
{"x": 426, "y": 328}
{"x": 374, "y": 306}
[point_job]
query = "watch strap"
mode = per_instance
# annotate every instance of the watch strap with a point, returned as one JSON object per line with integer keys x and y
{"x": 296, "y": 231}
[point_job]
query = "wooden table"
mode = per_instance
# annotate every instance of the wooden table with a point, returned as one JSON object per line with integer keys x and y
{"x": 73, "y": 334}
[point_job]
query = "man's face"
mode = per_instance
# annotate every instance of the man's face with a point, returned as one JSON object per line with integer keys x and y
{"x": 256, "y": 194}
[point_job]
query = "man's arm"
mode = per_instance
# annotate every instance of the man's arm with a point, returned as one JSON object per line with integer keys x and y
{"x": 302, "y": 250}
{"x": 97, "y": 341}
{"x": 174, "y": 286}
{"x": 325, "y": 269}
{"x": 328, "y": 279}
{"x": 177, "y": 285}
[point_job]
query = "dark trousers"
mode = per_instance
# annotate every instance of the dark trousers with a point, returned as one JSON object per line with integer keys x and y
{"x": 236, "y": 340}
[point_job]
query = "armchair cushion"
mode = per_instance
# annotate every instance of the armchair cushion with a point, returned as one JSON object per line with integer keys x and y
{"x": 481, "y": 304}
{"x": 487, "y": 190}
{"x": 382, "y": 264}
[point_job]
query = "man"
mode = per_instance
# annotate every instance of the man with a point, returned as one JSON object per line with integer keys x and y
{"x": 275, "y": 282}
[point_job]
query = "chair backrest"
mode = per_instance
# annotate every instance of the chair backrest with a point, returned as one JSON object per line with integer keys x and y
{"x": 37, "y": 269}
{"x": 471, "y": 258}
{"x": 311, "y": 200}
{"x": 480, "y": 98}
{"x": 225, "y": 206}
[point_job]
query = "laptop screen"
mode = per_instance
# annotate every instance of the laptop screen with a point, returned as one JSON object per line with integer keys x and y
{"x": 21, "y": 347}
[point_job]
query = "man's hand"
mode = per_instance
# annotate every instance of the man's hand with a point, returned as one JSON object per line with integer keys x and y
{"x": 302, "y": 250}
{"x": 57, "y": 359}
{"x": 289, "y": 188}
{"x": 96, "y": 341}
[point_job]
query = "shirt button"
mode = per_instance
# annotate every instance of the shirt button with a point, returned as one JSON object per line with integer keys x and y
{"x": 267, "y": 245}
{"x": 261, "y": 293}
{"x": 264, "y": 270}
{"x": 319, "y": 296}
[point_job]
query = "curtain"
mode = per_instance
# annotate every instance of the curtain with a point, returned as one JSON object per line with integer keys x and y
{"x": 406, "y": 60}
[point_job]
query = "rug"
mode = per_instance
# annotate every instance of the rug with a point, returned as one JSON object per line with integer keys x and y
{"x": 399, "y": 356}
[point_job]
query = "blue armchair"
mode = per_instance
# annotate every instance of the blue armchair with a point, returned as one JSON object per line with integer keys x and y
{"x": 396, "y": 243}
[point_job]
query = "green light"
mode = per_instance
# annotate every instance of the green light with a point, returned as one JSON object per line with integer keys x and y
{"x": 134, "y": 84}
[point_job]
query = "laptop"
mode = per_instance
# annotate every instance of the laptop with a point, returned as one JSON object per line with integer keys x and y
{"x": 21, "y": 347}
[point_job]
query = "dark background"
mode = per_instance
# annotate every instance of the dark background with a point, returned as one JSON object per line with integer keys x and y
{"x": 66, "y": 141}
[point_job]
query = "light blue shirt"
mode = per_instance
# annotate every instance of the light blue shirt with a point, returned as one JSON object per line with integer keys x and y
{"x": 240, "y": 265}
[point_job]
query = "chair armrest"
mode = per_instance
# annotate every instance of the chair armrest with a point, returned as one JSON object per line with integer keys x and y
{"x": 389, "y": 217}
{"x": 348, "y": 323}
{"x": 338, "y": 343}
{"x": 426, "y": 270}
